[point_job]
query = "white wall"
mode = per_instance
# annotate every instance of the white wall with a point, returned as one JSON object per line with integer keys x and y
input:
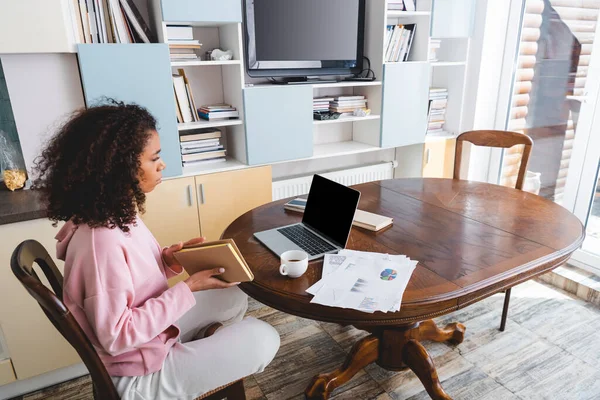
{"x": 44, "y": 89}
{"x": 299, "y": 168}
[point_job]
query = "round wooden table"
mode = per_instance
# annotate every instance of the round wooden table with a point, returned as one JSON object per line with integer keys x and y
{"x": 471, "y": 239}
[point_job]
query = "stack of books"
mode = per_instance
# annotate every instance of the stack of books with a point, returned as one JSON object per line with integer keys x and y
{"x": 402, "y": 5}
{"x": 212, "y": 112}
{"x": 182, "y": 45}
{"x": 438, "y": 99}
{"x": 108, "y": 21}
{"x": 398, "y": 42}
{"x": 346, "y": 105}
{"x": 434, "y": 46}
{"x": 321, "y": 104}
{"x": 201, "y": 146}
{"x": 184, "y": 98}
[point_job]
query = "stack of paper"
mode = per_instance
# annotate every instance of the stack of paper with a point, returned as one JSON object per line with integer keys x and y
{"x": 363, "y": 281}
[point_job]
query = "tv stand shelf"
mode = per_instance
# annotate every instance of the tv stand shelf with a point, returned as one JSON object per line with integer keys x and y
{"x": 204, "y": 63}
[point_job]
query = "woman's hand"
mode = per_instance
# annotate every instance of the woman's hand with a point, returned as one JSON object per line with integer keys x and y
{"x": 205, "y": 280}
{"x": 169, "y": 259}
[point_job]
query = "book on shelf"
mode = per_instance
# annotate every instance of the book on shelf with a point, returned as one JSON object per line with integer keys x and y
{"x": 398, "y": 42}
{"x": 183, "y": 57}
{"x": 180, "y": 32}
{"x": 203, "y": 156}
{"x": 436, "y": 114}
{"x": 183, "y": 103}
{"x": 199, "y": 144}
{"x": 402, "y": 5}
{"x": 200, "y": 150}
{"x": 194, "y": 44}
{"x": 199, "y": 134}
{"x": 109, "y": 21}
{"x": 212, "y": 116}
{"x": 218, "y": 111}
{"x": 434, "y": 46}
{"x": 347, "y": 104}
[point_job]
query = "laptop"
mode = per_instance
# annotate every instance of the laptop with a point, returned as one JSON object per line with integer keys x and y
{"x": 325, "y": 225}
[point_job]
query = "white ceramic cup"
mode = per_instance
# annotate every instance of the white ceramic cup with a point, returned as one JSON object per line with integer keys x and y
{"x": 295, "y": 268}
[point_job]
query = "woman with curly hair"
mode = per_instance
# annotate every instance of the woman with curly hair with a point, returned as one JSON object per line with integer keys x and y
{"x": 94, "y": 174}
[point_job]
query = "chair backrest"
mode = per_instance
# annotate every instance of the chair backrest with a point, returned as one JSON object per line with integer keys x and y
{"x": 503, "y": 139}
{"x": 22, "y": 261}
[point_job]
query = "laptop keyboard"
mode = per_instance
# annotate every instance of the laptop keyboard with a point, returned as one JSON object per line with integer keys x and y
{"x": 306, "y": 240}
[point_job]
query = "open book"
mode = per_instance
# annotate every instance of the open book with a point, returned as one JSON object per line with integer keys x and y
{"x": 217, "y": 254}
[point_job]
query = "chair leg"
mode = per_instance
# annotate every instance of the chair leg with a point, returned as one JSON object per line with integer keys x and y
{"x": 236, "y": 391}
{"x": 505, "y": 310}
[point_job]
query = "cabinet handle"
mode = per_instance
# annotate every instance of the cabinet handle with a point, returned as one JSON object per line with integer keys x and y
{"x": 427, "y": 156}
{"x": 190, "y": 196}
{"x": 201, "y": 193}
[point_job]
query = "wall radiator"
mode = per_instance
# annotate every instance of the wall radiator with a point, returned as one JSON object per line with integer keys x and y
{"x": 300, "y": 185}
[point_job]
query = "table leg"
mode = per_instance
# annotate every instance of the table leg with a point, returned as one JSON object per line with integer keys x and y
{"x": 363, "y": 353}
{"x": 418, "y": 360}
{"x": 393, "y": 348}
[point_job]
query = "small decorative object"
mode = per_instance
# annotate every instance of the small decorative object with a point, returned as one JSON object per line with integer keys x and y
{"x": 220, "y": 55}
{"x": 14, "y": 176}
{"x": 361, "y": 112}
{"x": 325, "y": 116}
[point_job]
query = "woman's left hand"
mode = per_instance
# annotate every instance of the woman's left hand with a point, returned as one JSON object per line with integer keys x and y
{"x": 167, "y": 252}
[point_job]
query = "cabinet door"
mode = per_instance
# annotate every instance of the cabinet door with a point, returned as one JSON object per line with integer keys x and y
{"x": 7, "y": 374}
{"x": 452, "y": 18}
{"x": 191, "y": 11}
{"x": 137, "y": 73}
{"x": 172, "y": 211}
{"x": 34, "y": 344}
{"x": 279, "y": 124}
{"x": 225, "y": 196}
{"x": 405, "y": 102}
{"x": 438, "y": 159}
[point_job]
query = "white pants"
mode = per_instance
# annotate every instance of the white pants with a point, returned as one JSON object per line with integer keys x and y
{"x": 242, "y": 347}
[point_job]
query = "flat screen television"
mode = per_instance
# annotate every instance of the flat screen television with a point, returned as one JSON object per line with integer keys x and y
{"x": 299, "y": 38}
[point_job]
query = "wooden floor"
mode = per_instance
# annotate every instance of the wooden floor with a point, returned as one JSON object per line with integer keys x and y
{"x": 550, "y": 350}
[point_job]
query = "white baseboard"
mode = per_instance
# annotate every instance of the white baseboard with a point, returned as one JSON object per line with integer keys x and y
{"x": 25, "y": 386}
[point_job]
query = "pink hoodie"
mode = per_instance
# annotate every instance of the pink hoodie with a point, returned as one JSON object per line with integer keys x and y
{"x": 116, "y": 287}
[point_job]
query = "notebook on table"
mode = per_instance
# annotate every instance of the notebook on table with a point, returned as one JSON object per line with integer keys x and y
{"x": 362, "y": 219}
{"x": 217, "y": 254}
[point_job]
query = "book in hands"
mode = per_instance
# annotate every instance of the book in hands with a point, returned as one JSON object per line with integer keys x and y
{"x": 217, "y": 254}
{"x": 362, "y": 219}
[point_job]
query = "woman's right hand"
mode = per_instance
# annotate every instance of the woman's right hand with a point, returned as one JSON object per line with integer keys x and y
{"x": 205, "y": 280}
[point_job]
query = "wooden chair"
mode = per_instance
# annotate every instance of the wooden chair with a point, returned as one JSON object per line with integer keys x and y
{"x": 501, "y": 139}
{"x": 22, "y": 261}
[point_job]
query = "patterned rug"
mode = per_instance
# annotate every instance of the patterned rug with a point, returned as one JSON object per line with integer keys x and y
{"x": 550, "y": 350}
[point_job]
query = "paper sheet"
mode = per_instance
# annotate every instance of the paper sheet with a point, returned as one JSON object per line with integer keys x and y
{"x": 363, "y": 281}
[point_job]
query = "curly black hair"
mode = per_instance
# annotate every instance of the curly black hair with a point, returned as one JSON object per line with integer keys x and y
{"x": 88, "y": 172}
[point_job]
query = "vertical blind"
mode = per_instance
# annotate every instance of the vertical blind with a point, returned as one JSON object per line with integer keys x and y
{"x": 581, "y": 17}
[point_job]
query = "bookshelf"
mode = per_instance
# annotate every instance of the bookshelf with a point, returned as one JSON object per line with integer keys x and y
{"x": 186, "y": 126}
{"x": 282, "y": 114}
{"x": 342, "y": 120}
{"x": 200, "y": 63}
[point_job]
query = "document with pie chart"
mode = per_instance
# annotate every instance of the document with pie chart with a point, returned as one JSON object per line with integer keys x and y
{"x": 363, "y": 281}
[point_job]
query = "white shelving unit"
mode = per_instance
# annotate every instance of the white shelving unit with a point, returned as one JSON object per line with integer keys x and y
{"x": 230, "y": 164}
{"x": 342, "y": 149}
{"x": 200, "y": 63}
{"x": 186, "y": 126}
{"x": 401, "y": 14}
{"x": 347, "y": 119}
